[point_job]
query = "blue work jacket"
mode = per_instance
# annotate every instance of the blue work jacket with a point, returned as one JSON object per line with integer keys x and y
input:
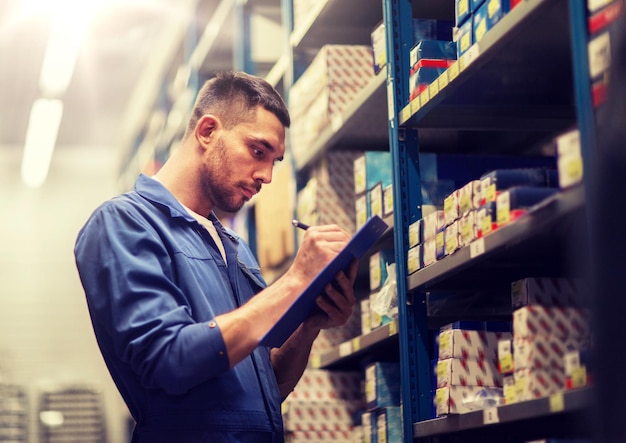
{"x": 154, "y": 281}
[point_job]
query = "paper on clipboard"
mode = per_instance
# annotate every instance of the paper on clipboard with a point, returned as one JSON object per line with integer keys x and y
{"x": 299, "y": 310}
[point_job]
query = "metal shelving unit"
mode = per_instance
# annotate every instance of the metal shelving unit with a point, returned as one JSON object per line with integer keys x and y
{"x": 525, "y": 82}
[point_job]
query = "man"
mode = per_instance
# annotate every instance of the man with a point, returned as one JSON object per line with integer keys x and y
{"x": 177, "y": 301}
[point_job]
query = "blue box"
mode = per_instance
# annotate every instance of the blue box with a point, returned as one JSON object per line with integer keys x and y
{"x": 432, "y": 29}
{"x": 480, "y": 23}
{"x": 496, "y": 9}
{"x": 498, "y": 180}
{"x": 464, "y": 38}
{"x": 475, "y": 4}
{"x": 382, "y": 385}
{"x": 370, "y": 169}
{"x": 389, "y": 425}
{"x": 462, "y": 11}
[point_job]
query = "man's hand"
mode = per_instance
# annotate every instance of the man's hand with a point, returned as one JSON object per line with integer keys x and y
{"x": 320, "y": 245}
{"x": 334, "y": 307}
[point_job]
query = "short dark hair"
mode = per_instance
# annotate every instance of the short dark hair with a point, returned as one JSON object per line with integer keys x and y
{"x": 233, "y": 97}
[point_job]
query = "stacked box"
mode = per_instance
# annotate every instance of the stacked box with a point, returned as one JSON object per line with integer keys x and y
{"x": 325, "y": 89}
{"x": 467, "y": 372}
{"x": 543, "y": 336}
{"x": 382, "y": 385}
{"x": 470, "y": 344}
{"x": 389, "y": 425}
{"x": 325, "y": 385}
{"x": 545, "y": 352}
{"x": 328, "y": 197}
{"x": 368, "y": 424}
{"x": 323, "y": 406}
{"x": 372, "y": 175}
{"x": 558, "y": 321}
{"x": 547, "y": 292}
{"x": 319, "y": 436}
{"x": 455, "y": 399}
{"x": 467, "y": 362}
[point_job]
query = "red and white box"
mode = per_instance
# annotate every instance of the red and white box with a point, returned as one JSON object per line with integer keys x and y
{"x": 329, "y": 415}
{"x": 547, "y": 292}
{"x": 319, "y": 436}
{"x": 544, "y": 352}
{"x": 467, "y": 372}
{"x": 455, "y": 399}
{"x": 466, "y": 344}
{"x": 323, "y": 385}
{"x": 551, "y": 321}
{"x": 531, "y": 383}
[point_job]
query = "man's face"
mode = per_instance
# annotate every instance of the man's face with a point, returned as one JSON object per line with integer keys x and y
{"x": 240, "y": 160}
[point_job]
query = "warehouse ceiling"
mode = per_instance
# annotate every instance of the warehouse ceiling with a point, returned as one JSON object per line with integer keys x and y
{"x": 127, "y": 48}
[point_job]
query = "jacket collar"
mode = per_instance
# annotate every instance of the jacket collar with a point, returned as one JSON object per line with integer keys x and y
{"x": 154, "y": 191}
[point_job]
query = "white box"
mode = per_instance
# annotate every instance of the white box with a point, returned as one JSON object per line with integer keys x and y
{"x": 557, "y": 321}
{"x": 467, "y": 372}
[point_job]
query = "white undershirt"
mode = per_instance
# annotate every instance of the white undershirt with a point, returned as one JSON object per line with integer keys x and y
{"x": 208, "y": 224}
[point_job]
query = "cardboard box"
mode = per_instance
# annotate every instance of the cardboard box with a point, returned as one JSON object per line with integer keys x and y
{"x": 468, "y": 344}
{"x": 451, "y": 208}
{"x": 433, "y": 223}
{"x": 382, "y": 385}
{"x": 468, "y": 230}
{"x": 414, "y": 259}
{"x": 547, "y": 292}
{"x": 389, "y": 425}
{"x": 542, "y": 352}
{"x": 328, "y": 415}
{"x": 273, "y": 214}
{"x": 323, "y": 92}
{"x": 563, "y": 322}
{"x": 462, "y": 11}
{"x": 486, "y": 221}
{"x": 323, "y": 385}
{"x": 531, "y": 384}
{"x": 429, "y": 254}
{"x": 465, "y": 37}
{"x": 371, "y": 168}
{"x": 455, "y": 399}
{"x": 470, "y": 196}
{"x": 451, "y": 238}
{"x": 467, "y": 372}
{"x": 388, "y": 200}
{"x": 328, "y": 197}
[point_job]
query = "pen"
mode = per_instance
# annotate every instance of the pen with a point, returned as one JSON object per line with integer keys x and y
{"x": 299, "y": 224}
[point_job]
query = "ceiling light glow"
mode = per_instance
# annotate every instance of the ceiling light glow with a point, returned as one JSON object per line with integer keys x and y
{"x": 43, "y": 128}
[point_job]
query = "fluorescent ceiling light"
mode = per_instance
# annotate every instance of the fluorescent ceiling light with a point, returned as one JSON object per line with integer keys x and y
{"x": 59, "y": 59}
{"x": 41, "y": 136}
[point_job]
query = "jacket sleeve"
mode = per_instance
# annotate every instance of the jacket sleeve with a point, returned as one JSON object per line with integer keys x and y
{"x": 141, "y": 318}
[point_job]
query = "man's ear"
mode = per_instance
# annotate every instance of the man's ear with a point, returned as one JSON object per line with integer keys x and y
{"x": 205, "y": 129}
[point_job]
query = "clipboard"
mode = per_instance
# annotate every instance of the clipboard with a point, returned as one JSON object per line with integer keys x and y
{"x": 300, "y": 309}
